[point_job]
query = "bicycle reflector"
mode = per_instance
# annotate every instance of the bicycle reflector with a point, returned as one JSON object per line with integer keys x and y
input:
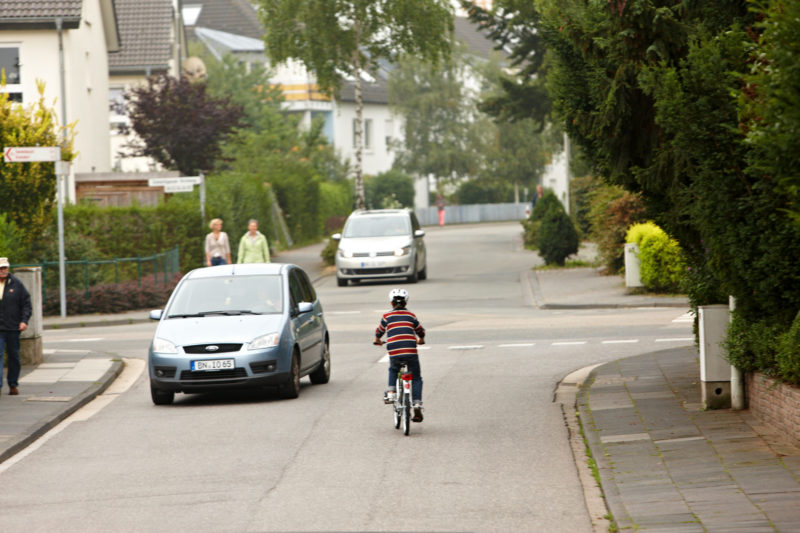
{"x": 407, "y": 377}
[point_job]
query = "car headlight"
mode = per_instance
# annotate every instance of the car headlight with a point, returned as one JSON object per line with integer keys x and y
{"x": 402, "y": 251}
{"x": 164, "y": 346}
{"x": 264, "y": 341}
{"x": 345, "y": 253}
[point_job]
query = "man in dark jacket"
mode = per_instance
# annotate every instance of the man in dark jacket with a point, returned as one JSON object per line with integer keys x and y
{"x": 15, "y": 311}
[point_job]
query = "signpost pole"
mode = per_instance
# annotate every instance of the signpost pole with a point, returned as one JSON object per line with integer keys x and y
{"x": 202, "y": 198}
{"x": 62, "y": 168}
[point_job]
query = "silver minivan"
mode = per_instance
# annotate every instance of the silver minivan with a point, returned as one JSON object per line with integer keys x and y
{"x": 381, "y": 243}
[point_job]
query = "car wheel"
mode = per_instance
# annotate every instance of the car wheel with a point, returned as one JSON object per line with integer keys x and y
{"x": 423, "y": 274}
{"x": 413, "y": 277}
{"x": 291, "y": 389}
{"x": 341, "y": 282}
{"x": 161, "y": 397}
{"x": 322, "y": 374}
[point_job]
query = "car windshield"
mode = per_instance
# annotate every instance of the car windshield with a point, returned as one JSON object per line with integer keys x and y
{"x": 230, "y": 295}
{"x": 377, "y": 226}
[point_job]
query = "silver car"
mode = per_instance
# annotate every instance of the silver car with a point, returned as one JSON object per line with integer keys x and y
{"x": 239, "y": 326}
{"x": 381, "y": 243}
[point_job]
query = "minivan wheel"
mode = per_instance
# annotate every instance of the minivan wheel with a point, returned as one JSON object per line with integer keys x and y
{"x": 322, "y": 374}
{"x": 291, "y": 389}
{"x": 161, "y": 397}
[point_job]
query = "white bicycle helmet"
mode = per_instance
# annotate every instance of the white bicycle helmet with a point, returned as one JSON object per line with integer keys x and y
{"x": 398, "y": 294}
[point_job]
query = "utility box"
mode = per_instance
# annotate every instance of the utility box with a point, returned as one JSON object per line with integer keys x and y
{"x": 30, "y": 342}
{"x": 715, "y": 370}
{"x": 633, "y": 277}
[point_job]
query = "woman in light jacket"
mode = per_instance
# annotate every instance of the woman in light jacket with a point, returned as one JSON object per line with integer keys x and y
{"x": 253, "y": 247}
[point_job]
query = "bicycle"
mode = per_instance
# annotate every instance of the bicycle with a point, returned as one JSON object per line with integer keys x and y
{"x": 402, "y": 399}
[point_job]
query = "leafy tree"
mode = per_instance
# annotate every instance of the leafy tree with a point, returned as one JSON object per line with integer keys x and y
{"x": 28, "y": 190}
{"x": 557, "y": 238}
{"x": 392, "y": 187}
{"x": 441, "y": 135}
{"x": 180, "y": 124}
{"x": 343, "y": 39}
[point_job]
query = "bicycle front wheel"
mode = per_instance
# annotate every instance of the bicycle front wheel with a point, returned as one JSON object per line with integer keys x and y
{"x": 406, "y": 414}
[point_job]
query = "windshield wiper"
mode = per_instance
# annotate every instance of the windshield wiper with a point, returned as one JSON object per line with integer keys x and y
{"x": 228, "y": 312}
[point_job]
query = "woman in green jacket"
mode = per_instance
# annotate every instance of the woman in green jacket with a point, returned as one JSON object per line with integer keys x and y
{"x": 253, "y": 247}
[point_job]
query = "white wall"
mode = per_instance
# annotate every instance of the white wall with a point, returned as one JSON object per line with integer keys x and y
{"x": 86, "y": 72}
{"x": 555, "y": 177}
{"x": 379, "y": 157}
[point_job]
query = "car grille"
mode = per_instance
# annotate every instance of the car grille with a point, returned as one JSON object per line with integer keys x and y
{"x": 259, "y": 367}
{"x": 222, "y": 348}
{"x": 368, "y": 271}
{"x": 201, "y": 375}
{"x": 377, "y": 254}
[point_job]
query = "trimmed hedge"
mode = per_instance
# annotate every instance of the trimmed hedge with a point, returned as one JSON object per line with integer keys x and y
{"x": 113, "y": 298}
{"x": 662, "y": 265}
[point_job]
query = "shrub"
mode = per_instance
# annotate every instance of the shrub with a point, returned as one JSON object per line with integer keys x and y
{"x": 329, "y": 252}
{"x": 547, "y": 203}
{"x": 113, "y": 298}
{"x": 788, "y": 355}
{"x": 662, "y": 265}
{"x": 11, "y": 240}
{"x": 557, "y": 238}
{"x": 612, "y": 211}
{"x": 483, "y": 192}
{"x": 752, "y": 346}
{"x": 639, "y": 232}
{"x": 388, "y": 189}
{"x": 580, "y": 195}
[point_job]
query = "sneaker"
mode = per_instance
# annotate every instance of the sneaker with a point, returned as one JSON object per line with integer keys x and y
{"x": 389, "y": 396}
{"x": 418, "y": 412}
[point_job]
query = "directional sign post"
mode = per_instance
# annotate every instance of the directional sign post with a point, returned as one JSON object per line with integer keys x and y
{"x": 183, "y": 184}
{"x": 42, "y": 154}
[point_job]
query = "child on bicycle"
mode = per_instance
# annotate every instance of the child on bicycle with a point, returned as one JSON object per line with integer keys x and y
{"x": 402, "y": 329}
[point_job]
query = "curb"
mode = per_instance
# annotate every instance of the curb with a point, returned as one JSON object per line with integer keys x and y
{"x": 47, "y": 423}
{"x": 566, "y": 394}
{"x": 97, "y": 322}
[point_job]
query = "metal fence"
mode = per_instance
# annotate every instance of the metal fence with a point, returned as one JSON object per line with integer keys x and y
{"x": 463, "y": 214}
{"x": 83, "y": 272}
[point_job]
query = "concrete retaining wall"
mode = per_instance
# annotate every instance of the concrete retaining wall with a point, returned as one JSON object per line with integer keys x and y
{"x": 776, "y": 404}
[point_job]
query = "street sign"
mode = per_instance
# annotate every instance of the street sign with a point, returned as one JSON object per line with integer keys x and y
{"x": 164, "y": 182}
{"x": 31, "y": 154}
{"x": 178, "y": 187}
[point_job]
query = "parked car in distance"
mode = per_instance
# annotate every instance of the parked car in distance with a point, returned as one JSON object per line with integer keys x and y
{"x": 239, "y": 326}
{"x": 381, "y": 243}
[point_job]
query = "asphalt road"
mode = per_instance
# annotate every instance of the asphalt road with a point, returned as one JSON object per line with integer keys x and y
{"x": 491, "y": 455}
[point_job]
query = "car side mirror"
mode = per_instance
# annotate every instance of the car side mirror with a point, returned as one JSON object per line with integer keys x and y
{"x": 419, "y": 233}
{"x": 304, "y": 307}
{"x": 336, "y": 236}
{"x": 155, "y": 314}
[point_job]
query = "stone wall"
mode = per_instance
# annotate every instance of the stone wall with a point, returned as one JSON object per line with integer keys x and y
{"x": 776, "y": 404}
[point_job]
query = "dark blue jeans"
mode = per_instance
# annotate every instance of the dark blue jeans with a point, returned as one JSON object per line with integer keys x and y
{"x": 9, "y": 341}
{"x": 218, "y": 261}
{"x": 413, "y": 367}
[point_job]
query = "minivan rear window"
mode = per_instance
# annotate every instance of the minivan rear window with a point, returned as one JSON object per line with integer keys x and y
{"x": 377, "y": 226}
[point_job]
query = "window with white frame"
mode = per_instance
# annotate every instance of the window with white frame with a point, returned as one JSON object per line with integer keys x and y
{"x": 389, "y": 133}
{"x": 366, "y": 133}
{"x": 11, "y": 70}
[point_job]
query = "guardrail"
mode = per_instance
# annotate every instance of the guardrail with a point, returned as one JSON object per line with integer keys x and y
{"x": 162, "y": 265}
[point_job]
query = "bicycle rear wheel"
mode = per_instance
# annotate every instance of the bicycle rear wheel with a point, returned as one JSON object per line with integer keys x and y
{"x": 396, "y": 408}
{"x": 406, "y": 413}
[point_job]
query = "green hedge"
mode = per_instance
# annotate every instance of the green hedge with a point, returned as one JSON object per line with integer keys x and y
{"x": 557, "y": 238}
{"x": 662, "y": 266}
{"x": 612, "y": 210}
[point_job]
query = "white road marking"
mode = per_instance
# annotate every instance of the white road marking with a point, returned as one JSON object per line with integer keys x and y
{"x": 621, "y": 341}
{"x": 88, "y": 339}
{"x": 517, "y": 345}
{"x": 130, "y": 373}
{"x": 343, "y": 312}
{"x": 50, "y": 351}
{"x": 676, "y": 339}
{"x": 467, "y": 347}
{"x": 685, "y": 318}
{"x": 568, "y": 343}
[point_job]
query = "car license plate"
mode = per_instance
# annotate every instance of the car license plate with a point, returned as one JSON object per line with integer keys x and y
{"x": 371, "y": 264}
{"x": 213, "y": 364}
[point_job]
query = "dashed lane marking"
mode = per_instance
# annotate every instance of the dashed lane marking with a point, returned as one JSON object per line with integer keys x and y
{"x": 621, "y": 341}
{"x": 517, "y": 345}
{"x": 568, "y": 343}
{"x": 677, "y": 339}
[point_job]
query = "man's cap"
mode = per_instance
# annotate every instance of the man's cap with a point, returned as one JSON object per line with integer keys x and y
{"x": 4, "y": 262}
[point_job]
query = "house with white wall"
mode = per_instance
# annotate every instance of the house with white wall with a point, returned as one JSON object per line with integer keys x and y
{"x": 152, "y": 42}
{"x": 65, "y": 40}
